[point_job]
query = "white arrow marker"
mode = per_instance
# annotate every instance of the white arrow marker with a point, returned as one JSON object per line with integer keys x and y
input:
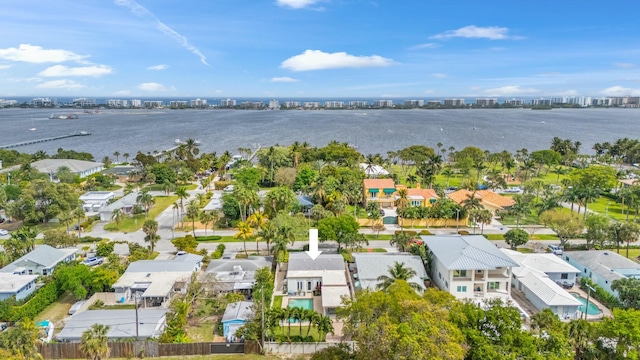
{"x": 313, "y": 244}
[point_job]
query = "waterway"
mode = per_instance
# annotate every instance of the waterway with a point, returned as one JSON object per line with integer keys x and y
{"x": 373, "y": 131}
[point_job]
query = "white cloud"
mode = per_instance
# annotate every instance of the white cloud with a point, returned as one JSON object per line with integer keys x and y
{"x": 625, "y": 65}
{"x": 2, "y": 67}
{"x": 440, "y": 75}
{"x": 620, "y": 91}
{"x": 477, "y": 32}
{"x": 122, "y": 92}
{"x": 296, "y": 4}
{"x": 425, "y": 46}
{"x": 36, "y": 54}
{"x": 318, "y": 60}
{"x": 509, "y": 90}
{"x": 141, "y": 11}
{"x": 61, "y": 70}
{"x": 158, "y": 67}
{"x": 151, "y": 86}
{"x": 60, "y": 84}
{"x": 285, "y": 79}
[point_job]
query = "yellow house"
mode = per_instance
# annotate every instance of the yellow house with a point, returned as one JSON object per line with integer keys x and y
{"x": 379, "y": 190}
{"x": 420, "y": 197}
{"x": 489, "y": 200}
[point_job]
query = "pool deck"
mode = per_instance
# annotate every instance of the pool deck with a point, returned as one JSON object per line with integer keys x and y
{"x": 605, "y": 312}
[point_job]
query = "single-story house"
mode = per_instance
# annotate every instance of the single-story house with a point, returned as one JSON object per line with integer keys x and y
{"x": 93, "y": 201}
{"x": 369, "y": 266}
{"x": 78, "y": 167}
{"x": 603, "y": 267}
{"x": 235, "y": 316}
{"x": 305, "y": 203}
{"x": 41, "y": 261}
{"x": 154, "y": 282}
{"x": 19, "y": 286}
{"x": 126, "y": 204}
{"x": 379, "y": 190}
{"x": 234, "y": 275}
{"x": 122, "y": 324}
{"x": 373, "y": 171}
{"x": 469, "y": 267}
{"x": 489, "y": 200}
{"x": 538, "y": 277}
{"x": 326, "y": 275}
{"x": 124, "y": 173}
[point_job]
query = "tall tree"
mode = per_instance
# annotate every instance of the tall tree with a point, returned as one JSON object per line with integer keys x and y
{"x": 398, "y": 272}
{"x": 94, "y": 342}
{"x": 150, "y": 228}
{"x": 245, "y": 231}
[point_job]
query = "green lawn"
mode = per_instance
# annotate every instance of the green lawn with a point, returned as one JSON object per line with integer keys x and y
{"x": 531, "y": 237}
{"x": 134, "y": 223}
{"x": 378, "y": 237}
{"x": 362, "y": 213}
{"x": 375, "y": 250}
{"x": 57, "y": 311}
{"x": 610, "y": 208}
{"x": 295, "y": 331}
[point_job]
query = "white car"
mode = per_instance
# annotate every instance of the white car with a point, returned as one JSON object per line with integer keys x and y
{"x": 3, "y": 232}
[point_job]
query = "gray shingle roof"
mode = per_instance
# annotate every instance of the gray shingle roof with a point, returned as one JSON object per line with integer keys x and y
{"x": 44, "y": 255}
{"x": 240, "y": 310}
{"x": 252, "y": 263}
{"x": 606, "y": 263}
{"x": 122, "y": 323}
{"x": 150, "y": 266}
{"x": 372, "y": 265}
{"x": 301, "y": 261}
{"x": 459, "y": 252}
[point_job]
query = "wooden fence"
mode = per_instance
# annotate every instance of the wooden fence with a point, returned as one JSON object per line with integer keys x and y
{"x": 141, "y": 349}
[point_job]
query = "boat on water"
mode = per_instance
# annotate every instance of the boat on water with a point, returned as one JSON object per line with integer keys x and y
{"x": 64, "y": 117}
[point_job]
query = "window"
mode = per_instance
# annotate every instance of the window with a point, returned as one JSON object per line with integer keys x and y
{"x": 416, "y": 203}
{"x": 446, "y": 284}
{"x": 299, "y": 285}
{"x": 308, "y": 285}
{"x": 564, "y": 276}
{"x": 494, "y": 285}
{"x": 461, "y": 289}
{"x": 459, "y": 273}
{"x": 439, "y": 275}
{"x": 373, "y": 195}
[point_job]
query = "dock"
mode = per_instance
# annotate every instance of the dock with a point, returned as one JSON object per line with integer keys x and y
{"x": 37, "y": 141}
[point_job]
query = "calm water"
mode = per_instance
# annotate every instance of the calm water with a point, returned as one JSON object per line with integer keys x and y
{"x": 373, "y": 131}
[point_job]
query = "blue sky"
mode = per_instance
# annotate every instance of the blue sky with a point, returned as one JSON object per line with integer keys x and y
{"x": 318, "y": 48}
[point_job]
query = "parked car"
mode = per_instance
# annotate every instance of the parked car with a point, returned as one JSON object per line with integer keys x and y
{"x": 229, "y": 188}
{"x": 75, "y": 307}
{"x": 93, "y": 261}
{"x": 3, "y": 232}
{"x": 555, "y": 249}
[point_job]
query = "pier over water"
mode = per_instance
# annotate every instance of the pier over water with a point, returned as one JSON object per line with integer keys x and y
{"x": 36, "y": 141}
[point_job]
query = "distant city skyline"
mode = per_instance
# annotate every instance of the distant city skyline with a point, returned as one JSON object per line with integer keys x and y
{"x": 317, "y": 49}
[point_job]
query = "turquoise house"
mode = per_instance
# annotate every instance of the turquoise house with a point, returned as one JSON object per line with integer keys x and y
{"x": 235, "y": 316}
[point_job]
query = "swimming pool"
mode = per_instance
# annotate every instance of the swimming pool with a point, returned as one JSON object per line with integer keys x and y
{"x": 303, "y": 303}
{"x": 592, "y": 310}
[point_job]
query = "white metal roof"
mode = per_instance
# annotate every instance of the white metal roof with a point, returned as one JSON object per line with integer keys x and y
{"x": 43, "y": 255}
{"x": 329, "y": 277}
{"x": 122, "y": 323}
{"x": 332, "y": 295}
{"x": 10, "y": 283}
{"x": 546, "y": 263}
{"x": 371, "y": 265}
{"x": 470, "y": 252}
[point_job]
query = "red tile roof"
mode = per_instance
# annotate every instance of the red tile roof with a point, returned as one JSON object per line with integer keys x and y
{"x": 379, "y": 184}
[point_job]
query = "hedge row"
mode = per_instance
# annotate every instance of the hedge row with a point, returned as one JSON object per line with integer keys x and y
{"x": 600, "y": 294}
{"x": 44, "y": 297}
{"x": 208, "y": 238}
{"x": 219, "y": 252}
{"x": 413, "y": 233}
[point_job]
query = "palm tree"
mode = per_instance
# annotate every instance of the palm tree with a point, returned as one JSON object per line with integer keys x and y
{"x": 400, "y": 240}
{"x": 268, "y": 232}
{"x": 325, "y": 326}
{"x": 116, "y": 216}
{"x": 182, "y": 194}
{"x": 94, "y": 342}
{"x": 192, "y": 213}
{"x": 205, "y": 182}
{"x": 116, "y": 154}
{"x": 312, "y": 318}
{"x": 521, "y": 207}
{"x": 398, "y": 272}
{"x": 126, "y": 157}
{"x": 79, "y": 214}
{"x": 580, "y": 337}
{"x": 472, "y": 202}
{"x": 150, "y": 228}
{"x": 257, "y": 220}
{"x": 145, "y": 199}
{"x": 298, "y": 315}
{"x": 205, "y": 219}
{"x": 244, "y": 232}
{"x": 403, "y": 198}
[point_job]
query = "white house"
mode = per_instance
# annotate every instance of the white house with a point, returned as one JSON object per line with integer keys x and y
{"x": 154, "y": 282}
{"x": 78, "y": 167}
{"x": 234, "y": 275}
{"x": 603, "y": 267}
{"x": 122, "y": 324}
{"x": 41, "y": 261}
{"x": 539, "y": 276}
{"x": 369, "y": 266}
{"x": 470, "y": 267}
{"x": 19, "y": 286}
{"x": 126, "y": 204}
{"x": 93, "y": 201}
{"x": 326, "y": 275}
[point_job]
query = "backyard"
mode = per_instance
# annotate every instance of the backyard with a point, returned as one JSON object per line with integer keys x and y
{"x": 134, "y": 223}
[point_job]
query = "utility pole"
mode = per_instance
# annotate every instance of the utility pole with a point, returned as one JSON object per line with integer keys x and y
{"x": 136, "y": 301}
{"x": 457, "y": 219}
{"x": 586, "y": 307}
{"x": 262, "y": 322}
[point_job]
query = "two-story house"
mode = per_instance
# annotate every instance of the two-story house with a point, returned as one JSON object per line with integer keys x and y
{"x": 41, "y": 261}
{"x": 469, "y": 267}
{"x": 379, "y": 190}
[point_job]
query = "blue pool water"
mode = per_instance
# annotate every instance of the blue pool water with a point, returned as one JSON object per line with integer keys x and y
{"x": 43, "y": 323}
{"x": 303, "y": 303}
{"x": 592, "y": 310}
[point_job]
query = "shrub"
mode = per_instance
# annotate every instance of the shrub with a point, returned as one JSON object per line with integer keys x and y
{"x": 463, "y": 232}
{"x": 241, "y": 256}
{"x": 408, "y": 232}
{"x": 43, "y": 297}
{"x": 90, "y": 239}
{"x": 219, "y": 252}
{"x": 208, "y": 238}
{"x": 105, "y": 248}
{"x": 425, "y": 232}
{"x": 600, "y": 294}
